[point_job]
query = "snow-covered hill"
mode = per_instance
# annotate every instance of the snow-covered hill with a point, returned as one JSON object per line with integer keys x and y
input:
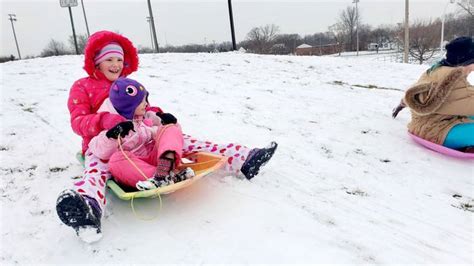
{"x": 346, "y": 185}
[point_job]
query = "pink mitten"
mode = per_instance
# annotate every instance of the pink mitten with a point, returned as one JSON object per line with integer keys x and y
{"x": 153, "y": 117}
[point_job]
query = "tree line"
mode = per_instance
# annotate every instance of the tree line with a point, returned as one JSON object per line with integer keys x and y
{"x": 424, "y": 37}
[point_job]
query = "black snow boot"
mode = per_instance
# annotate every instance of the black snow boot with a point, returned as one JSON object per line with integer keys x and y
{"x": 256, "y": 159}
{"x": 78, "y": 212}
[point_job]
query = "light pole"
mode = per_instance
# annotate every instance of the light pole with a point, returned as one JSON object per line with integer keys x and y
{"x": 151, "y": 33}
{"x": 407, "y": 34}
{"x": 12, "y": 17}
{"x": 69, "y": 4}
{"x": 231, "y": 17}
{"x": 443, "y": 18}
{"x": 357, "y": 24}
{"x": 85, "y": 18}
{"x": 73, "y": 31}
{"x": 152, "y": 21}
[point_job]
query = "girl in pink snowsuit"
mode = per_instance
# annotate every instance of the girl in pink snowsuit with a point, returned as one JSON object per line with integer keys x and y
{"x": 107, "y": 57}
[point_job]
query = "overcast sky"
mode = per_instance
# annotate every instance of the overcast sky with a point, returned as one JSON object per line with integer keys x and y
{"x": 190, "y": 21}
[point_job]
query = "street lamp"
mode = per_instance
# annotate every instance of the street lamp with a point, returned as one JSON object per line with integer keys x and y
{"x": 151, "y": 33}
{"x": 85, "y": 19}
{"x": 152, "y": 22}
{"x": 12, "y": 17}
{"x": 69, "y": 4}
{"x": 357, "y": 24}
{"x": 443, "y": 18}
{"x": 231, "y": 18}
{"x": 407, "y": 32}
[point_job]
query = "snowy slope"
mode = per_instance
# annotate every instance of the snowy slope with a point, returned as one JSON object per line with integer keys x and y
{"x": 346, "y": 185}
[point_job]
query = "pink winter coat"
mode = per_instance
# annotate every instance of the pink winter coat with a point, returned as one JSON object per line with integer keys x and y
{"x": 87, "y": 94}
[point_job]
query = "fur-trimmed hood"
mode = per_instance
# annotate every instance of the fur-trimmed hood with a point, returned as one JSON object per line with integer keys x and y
{"x": 100, "y": 39}
{"x": 426, "y": 98}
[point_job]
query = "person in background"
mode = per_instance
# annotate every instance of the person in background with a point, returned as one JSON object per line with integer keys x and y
{"x": 442, "y": 100}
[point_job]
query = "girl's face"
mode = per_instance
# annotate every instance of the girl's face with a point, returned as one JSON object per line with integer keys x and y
{"x": 140, "y": 110}
{"x": 112, "y": 68}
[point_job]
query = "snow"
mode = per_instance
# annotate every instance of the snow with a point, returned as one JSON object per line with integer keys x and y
{"x": 304, "y": 45}
{"x": 346, "y": 185}
{"x": 89, "y": 234}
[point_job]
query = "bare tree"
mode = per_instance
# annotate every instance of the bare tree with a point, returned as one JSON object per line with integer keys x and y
{"x": 468, "y": 6}
{"x": 318, "y": 39}
{"x": 337, "y": 31}
{"x": 348, "y": 19}
{"x": 260, "y": 39}
{"x": 424, "y": 40}
{"x": 145, "y": 50}
{"x": 54, "y": 48}
{"x": 382, "y": 34}
{"x": 4, "y": 59}
{"x": 365, "y": 31}
{"x": 81, "y": 42}
{"x": 289, "y": 42}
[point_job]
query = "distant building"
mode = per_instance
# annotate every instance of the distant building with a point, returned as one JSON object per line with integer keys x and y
{"x": 306, "y": 49}
{"x": 373, "y": 46}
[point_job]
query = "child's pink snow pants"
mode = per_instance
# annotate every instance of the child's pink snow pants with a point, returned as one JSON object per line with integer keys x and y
{"x": 169, "y": 138}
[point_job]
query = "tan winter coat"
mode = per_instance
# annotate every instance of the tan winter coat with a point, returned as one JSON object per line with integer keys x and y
{"x": 439, "y": 101}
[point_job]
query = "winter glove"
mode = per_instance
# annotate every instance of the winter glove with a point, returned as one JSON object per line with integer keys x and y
{"x": 167, "y": 118}
{"x": 122, "y": 129}
{"x": 397, "y": 109}
{"x": 108, "y": 120}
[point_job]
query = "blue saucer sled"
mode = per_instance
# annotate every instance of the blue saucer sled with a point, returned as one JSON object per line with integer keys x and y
{"x": 441, "y": 149}
{"x": 202, "y": 163}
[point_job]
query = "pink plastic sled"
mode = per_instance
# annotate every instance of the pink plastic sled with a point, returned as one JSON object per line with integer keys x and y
{"x": 441, "y": 149}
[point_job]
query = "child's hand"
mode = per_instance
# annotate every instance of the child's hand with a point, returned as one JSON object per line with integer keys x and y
{"x": 122, "y": 129}
{"x": 167, "y": 118}
{"x": 397, "y": 109}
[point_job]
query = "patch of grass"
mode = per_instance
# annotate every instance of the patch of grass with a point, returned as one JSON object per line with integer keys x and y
{"x": 357, "y": 192}
{"x": 28, "y": 109}
{"x": 465, "y": 206}
{"x": 19, "y": 170}
{"x": 370, "y": 86}
{"x": 57, "y": 169}
{"x": 338, "y": 82}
